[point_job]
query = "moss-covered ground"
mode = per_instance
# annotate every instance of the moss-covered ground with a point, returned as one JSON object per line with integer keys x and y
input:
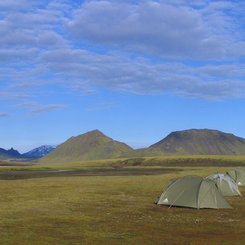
{"x": 111, "y": 210}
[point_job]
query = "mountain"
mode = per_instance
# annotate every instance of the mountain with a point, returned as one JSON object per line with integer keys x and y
{"x": 9, "y": 154}
{"x": 92, "y": 145}
{"x": 39, "y": 151}
{"x": 201, "y": 142}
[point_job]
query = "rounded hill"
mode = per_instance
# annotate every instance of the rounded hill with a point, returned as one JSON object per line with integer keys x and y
{"x": 201, "y": 141}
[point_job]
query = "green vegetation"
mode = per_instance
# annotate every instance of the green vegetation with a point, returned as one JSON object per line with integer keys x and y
{"x": 184, "y": 161}
{"x": 162, "y": 161}
{"x": 111, "y": 210}
{"x": 136, "y": 162}
{"x": 95, "y": 145}
{"x": 201, "y": 141}
{"x": 90, "y": 146}
{"x": 115, "y": 209}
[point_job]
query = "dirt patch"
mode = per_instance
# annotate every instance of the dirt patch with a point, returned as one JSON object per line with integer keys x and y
{"x": 28, "y": 174}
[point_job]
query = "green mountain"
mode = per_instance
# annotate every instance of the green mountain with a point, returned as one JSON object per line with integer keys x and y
{"x": 92, "y": 145}
{"x": 201, "y": 142}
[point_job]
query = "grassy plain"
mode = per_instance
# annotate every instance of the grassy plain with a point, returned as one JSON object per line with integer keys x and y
{"x": 113, "y": 209}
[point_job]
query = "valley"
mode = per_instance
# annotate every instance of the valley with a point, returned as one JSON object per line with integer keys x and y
{"x": 97, "y": 190}
{"x": 111, "y": 208}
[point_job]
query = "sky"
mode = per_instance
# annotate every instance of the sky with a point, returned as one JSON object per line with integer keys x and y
{"x": 135, "y": 70}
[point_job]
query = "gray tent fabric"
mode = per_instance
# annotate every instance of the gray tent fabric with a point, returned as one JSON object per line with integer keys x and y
{"x": 238, "y": 175}
{"x": 193, "y": 192}
{"x": 226, "y": 185}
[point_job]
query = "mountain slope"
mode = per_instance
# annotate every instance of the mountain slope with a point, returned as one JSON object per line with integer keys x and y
{"x": 39, "y": 151}
{"x": 89, "y": 146}
{"x": 9, "y": 154}
{"x": 201, "y": 141}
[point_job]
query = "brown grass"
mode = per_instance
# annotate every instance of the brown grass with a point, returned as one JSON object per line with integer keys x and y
{"x": 111, "y": 210}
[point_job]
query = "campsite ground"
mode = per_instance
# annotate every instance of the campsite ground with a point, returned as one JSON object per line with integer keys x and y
{"x": 68, "y": 209}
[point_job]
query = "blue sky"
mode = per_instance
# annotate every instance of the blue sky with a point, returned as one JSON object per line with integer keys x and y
{"x": 136, "y": 70}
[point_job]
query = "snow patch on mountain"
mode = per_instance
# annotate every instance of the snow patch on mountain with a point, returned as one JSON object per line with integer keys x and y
{"x": 39, "y": 151}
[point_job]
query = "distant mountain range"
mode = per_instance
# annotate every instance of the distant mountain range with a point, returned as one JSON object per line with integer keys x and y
{"x": 9, "y": 154}
{"x": 36, "y": 153}
{"x": 95, "y": 145}
{"x": 39, "y": 151}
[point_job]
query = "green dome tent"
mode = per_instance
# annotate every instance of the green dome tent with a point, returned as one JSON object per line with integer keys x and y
{"x": 226, "y": 185}
{"x": 193, "y": 192}
{"x": 238, "y": 175}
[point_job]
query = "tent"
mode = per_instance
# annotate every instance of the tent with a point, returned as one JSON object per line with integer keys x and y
{"x": 226, "y": 185}
{"x": 238, "y": 175}
{"x": 193, "y": 192}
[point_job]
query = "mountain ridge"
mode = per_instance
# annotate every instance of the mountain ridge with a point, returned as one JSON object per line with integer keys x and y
{"x": 95, "y": 145}
{"x": 92, "y": 145}
{"x": 201, "y": 142}
{"x": 39, "y": 152}
{"x": 9, "y": 154}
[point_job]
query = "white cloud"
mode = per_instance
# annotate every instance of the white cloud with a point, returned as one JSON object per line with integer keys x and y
{"x": 37, "y": 108}
{"x": 17, "y": 56}
{"x": 46, "y": 108}
{"x": 3, "y": 114}
{"x": 13, "y": 95}
{"x": 159, "y": 28}
{"x": 15, "y": 5}
{"x": 117, "y": 72}
{"x": 186, "y": 48}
